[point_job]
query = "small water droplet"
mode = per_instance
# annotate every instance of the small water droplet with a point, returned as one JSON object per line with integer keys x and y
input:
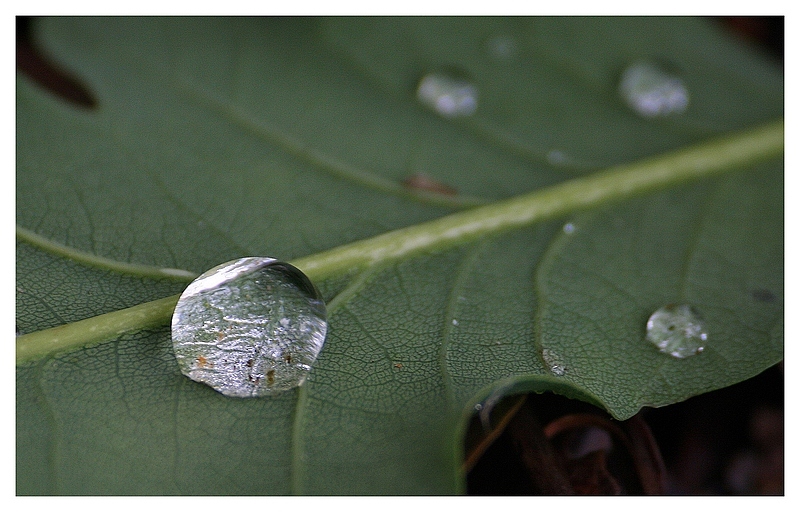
{"x": 502, "y": 48}
{"x": 478, "y": 407}
{"x": 448, "y": 95}
{"x": 250, "y": 327}
{"x": 455, "y": 322}
{"x": 556, "y": 157}
{"x": 553, "y": 362}
{"x": 569, "y": 228}
{"x": 651, "y": 91}
{"x": 677, "y": 330}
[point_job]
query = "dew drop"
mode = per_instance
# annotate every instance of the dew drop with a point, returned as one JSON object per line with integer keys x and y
{"x": 569, "y": 228}
{"x": 448, "y": 95}
{"x": 556, "y": 157}
{"x": 651, "y": 91}
{"x": 501, "y": 48}
{"x": 249, "y": 327}
{"x": 677, "y": 330}
{"x": 553, "y": 362}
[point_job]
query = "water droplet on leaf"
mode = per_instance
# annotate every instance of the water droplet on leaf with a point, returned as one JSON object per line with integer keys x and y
{"x": 448, "y": 95}
{"x": 677, "y": 330}
{"x": 250, "y": 327}
{"x": 651, "y": 91}
{"x": 501, "y": 48}
{"x": 553, "y": 362}
{"x": 569, "y": 228}
{"x": 556, "y": 157}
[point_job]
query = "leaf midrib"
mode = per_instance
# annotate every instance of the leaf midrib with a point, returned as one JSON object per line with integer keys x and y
{"x": 615, "y": 184}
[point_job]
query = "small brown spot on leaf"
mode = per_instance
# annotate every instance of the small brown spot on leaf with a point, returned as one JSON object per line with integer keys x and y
{"x": 271, "y": 377}
{"x": 398, "y": 365}
{"x": 420, "y": 181}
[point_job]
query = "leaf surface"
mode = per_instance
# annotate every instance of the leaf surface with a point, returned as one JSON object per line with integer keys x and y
{"x": 221, "y": 138}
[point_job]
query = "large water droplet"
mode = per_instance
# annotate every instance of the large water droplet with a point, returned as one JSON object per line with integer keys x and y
{"x": 651, "y": 91}
{"x": 677, "y": 330}
{"x": 249, "y": 327}
{"x": 448, "y": 95}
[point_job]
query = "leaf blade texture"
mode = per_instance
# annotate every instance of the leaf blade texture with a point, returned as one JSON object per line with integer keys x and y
{"x": 222, "y": 138}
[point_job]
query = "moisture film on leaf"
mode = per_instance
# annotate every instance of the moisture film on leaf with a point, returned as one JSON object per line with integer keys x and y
{"x": 212, "y": 139}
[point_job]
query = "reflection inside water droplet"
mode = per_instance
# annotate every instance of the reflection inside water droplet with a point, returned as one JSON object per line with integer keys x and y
{"x": 677, "y": 330}
{"x": 448, "y": 95}
{"x": 249, "y": 327}
{"x": 651, "y": 91}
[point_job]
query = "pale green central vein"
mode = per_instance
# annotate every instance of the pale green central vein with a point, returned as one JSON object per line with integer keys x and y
{"x": 95, "y": 329}
{"x": 614, "y": 184}
{"x": 704, "y": 160}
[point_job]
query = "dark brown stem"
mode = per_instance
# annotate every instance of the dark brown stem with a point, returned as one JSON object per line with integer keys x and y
{"x": 544, "y": 466}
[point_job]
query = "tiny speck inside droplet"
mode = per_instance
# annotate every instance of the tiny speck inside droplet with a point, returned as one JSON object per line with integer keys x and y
{"x": 677, "y": 330}
{"x": 448, "y": 95}
{"x": 250, "y": 327}
{"x": 653, "y": 92}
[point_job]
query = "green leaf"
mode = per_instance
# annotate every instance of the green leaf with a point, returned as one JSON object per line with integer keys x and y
{"x": 227, "y": 137}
